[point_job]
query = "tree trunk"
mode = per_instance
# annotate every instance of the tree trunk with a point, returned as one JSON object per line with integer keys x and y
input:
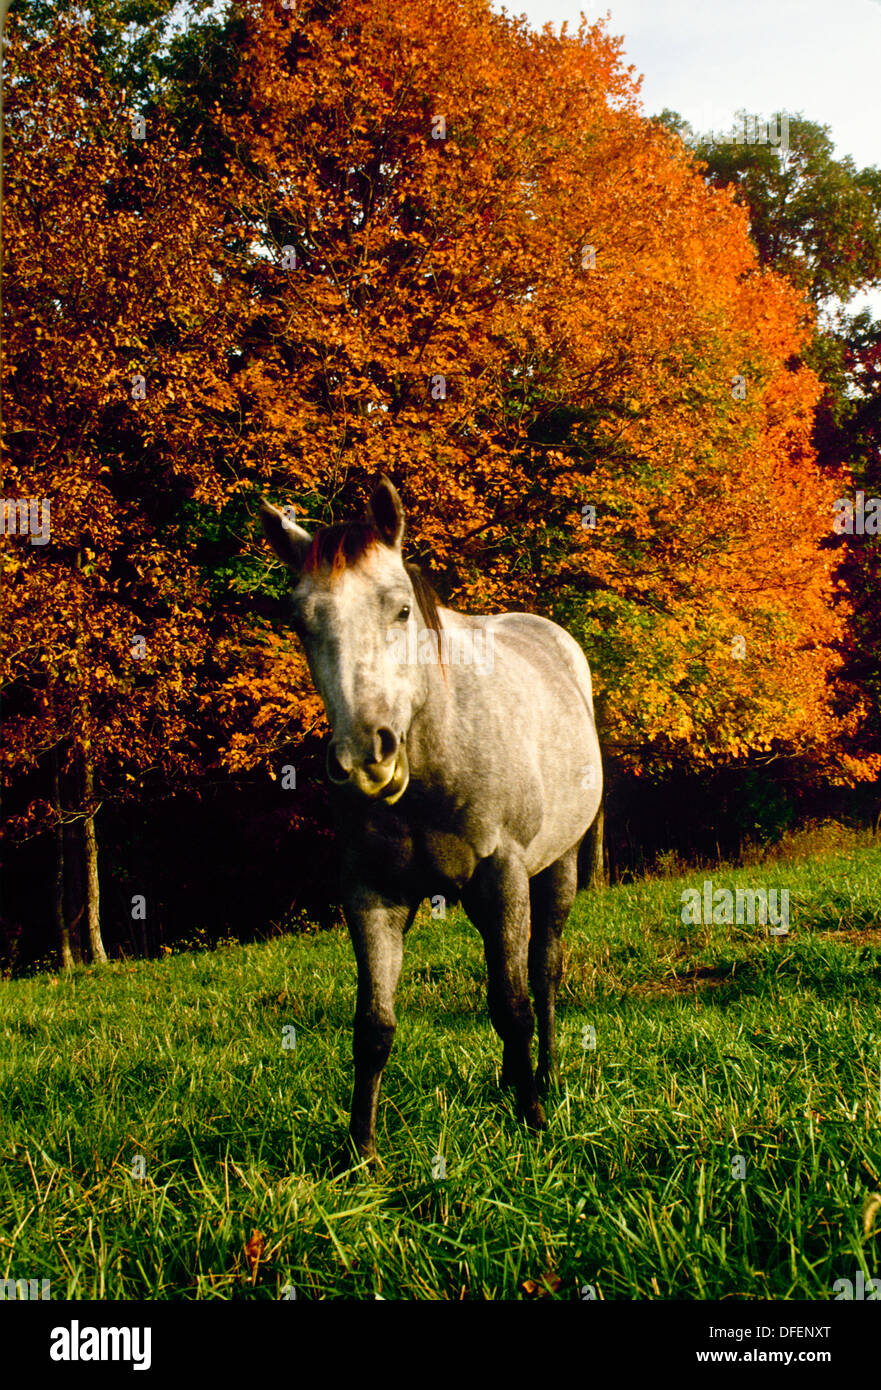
{"x": 74, "y": 898}
{"x": 90, "y": 856}
{"x": 61, "y": 921}
{"x": 596, "y": 849}
{"x": 86, "y": 805}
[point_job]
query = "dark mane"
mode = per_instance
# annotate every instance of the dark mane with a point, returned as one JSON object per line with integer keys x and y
{"x": 427, "y": 600}
{"x": 340, "y": 546}
{"x": 343, "y": 544}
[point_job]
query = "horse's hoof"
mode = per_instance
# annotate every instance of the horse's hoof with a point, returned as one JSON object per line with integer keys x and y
{"x": 347, "y": 1157}
{"x": 534, "y": 1116}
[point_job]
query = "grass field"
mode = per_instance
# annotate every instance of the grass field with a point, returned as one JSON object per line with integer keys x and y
{"x": 712, "y": 1042}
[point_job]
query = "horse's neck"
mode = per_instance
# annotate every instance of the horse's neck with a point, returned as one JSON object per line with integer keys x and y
{"x": 439, "y": 734}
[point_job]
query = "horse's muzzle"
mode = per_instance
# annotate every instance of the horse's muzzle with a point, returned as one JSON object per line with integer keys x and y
{"x": 379, "y": 781}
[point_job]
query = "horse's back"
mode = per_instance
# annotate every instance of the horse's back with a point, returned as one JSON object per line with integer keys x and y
{"x": 545, "y": 643}
{"x": 539, "y": 748}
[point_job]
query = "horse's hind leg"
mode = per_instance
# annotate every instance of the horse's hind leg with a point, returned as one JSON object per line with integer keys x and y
{"x": 497, "y": 901}
{"x": 551, "y": 894}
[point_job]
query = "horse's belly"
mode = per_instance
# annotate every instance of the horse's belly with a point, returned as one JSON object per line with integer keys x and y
{"x": 546, "y": 737}
{"x": 571, "y": 791}
{"x": 449, "y": 860}
{"x": 546, "y": 849}
{"x": 412, "y": 855}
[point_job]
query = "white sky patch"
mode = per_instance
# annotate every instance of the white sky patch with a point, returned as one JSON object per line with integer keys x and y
{"x": 805, "y": 57}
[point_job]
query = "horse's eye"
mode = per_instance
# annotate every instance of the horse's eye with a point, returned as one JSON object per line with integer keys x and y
{"x": 404, "y": 613}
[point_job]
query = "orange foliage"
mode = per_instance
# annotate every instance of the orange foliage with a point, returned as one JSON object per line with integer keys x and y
{"x": 446, "y": 248}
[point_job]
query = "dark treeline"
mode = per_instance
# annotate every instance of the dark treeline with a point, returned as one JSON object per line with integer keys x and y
{"x": 236, "y": 864}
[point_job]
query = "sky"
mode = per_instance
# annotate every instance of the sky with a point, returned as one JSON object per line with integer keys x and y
{"x": 820, "y": 58}
{"x": 708, "y": 58}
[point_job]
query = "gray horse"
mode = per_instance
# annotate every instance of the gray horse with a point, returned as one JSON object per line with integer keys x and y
{"x": 467, "y": 766}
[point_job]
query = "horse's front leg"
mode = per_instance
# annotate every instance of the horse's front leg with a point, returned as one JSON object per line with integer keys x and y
{"x": 377, "y": 929}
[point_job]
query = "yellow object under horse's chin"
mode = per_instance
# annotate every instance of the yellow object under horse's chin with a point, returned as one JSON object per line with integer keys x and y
{"x": 393, "y": 788}
{"x": 399, "y": 780}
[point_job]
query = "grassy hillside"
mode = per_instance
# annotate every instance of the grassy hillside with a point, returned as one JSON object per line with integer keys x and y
{"x": 711, "y": 1042}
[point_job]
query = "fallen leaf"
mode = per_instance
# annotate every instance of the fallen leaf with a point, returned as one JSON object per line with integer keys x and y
{"x": 254, "y": 1249}
{"x": 544, "y": 1287}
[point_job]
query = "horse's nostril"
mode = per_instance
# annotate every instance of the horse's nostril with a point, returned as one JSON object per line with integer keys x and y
{"x": 385, "y": 745}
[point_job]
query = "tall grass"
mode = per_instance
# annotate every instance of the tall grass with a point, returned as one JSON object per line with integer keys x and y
{"x": 719, "y": 1140}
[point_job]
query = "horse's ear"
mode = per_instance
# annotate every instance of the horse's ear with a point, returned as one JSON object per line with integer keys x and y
{"x": 386, "y": 512}
{"x": 289, "y": 541}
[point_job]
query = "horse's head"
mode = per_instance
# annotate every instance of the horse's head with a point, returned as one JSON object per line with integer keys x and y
{"x": 355, "y": 610}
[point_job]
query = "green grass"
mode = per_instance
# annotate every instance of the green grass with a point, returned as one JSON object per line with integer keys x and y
{"x": 711, "y": 1042}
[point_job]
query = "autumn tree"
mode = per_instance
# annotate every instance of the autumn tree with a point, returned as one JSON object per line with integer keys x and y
{"x": 848, "y": 431}
{"x": 129, "y": 41}
{"x": 525, "y": 311}
{"x": 813, "y": 217}
{"x": 116, "y": 396}
{"x": 362, "y": 249}
{"x": 816, "y": 218}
